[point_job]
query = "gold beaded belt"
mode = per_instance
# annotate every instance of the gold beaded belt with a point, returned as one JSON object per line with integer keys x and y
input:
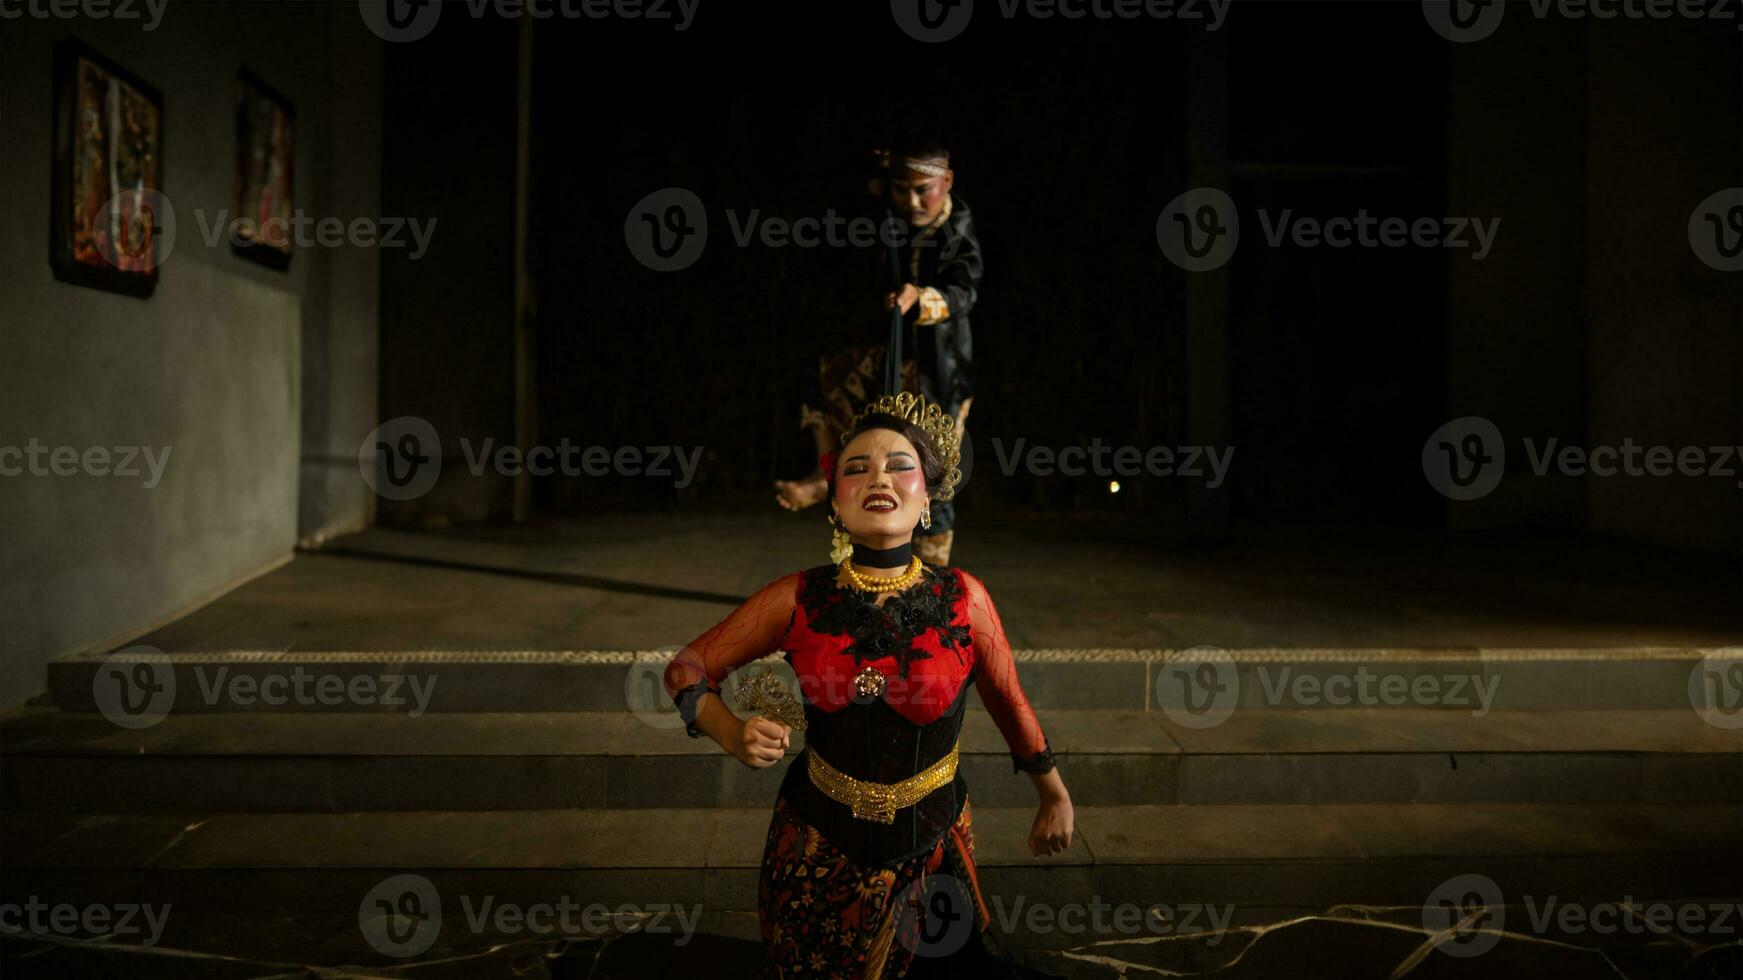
{"x": 879, "y": 801}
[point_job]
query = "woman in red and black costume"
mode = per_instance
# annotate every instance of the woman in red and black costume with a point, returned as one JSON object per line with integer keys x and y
{"x": 885, "y": 647}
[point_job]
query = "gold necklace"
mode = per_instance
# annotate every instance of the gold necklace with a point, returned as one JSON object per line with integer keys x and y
{"x": 868, "y": 583}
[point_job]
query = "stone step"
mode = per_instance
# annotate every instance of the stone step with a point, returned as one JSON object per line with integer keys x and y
{"x": 1257, "y": 859}
{"x": 1201, "y": 682}
{"x": 82, "y": 762}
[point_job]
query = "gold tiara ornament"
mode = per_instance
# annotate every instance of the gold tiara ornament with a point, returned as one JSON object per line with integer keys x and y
{"x": 939, "y": 426}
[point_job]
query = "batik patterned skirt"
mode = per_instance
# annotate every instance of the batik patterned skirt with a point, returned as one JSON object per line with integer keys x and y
{"x": 821, "y": 916}
{"x": 848, "y": 379}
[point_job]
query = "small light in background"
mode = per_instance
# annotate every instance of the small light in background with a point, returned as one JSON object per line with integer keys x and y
{"x": 1113, "y": 486}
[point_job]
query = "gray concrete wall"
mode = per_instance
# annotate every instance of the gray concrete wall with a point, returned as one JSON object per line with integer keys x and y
{"x": 211, "y": 367}
{"x": 341, "y": 317}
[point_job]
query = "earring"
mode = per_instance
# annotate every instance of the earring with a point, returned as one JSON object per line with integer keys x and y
{"x": 840, "y": 543}
{"x": 926, "y": 517}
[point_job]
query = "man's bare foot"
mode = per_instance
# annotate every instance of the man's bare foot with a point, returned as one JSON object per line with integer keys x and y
{"x": 800, "y": 494}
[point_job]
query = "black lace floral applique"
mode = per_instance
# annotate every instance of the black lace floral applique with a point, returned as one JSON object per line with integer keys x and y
{"x": 889, "y": 630}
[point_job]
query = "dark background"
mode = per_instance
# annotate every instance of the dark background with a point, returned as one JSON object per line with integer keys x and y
{"x": 1326, "y": 369}
{"x": 1066, "y": 143}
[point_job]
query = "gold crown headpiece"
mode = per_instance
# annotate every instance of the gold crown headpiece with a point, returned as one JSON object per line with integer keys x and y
{"x": 939, "y": 426}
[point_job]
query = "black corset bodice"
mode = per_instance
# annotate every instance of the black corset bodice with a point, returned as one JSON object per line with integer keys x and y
{"x": 871, "y": 741}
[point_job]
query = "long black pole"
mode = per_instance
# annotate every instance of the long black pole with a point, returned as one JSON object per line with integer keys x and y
{"x": 893, "y": 352}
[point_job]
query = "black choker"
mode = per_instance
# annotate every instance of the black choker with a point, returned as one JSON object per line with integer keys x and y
{"x": 866, "y": 556}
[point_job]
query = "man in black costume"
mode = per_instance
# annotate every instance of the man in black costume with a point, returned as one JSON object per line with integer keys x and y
{"x": 940, "y": 262}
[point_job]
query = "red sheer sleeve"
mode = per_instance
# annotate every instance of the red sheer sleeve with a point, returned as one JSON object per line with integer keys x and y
{"x": 753, "y": 630}
{"x": 996, "y": 682}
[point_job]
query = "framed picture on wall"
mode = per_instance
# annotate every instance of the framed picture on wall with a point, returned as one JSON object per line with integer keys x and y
{"x": 112, "y": 227}
{"x": 263, "y": 204}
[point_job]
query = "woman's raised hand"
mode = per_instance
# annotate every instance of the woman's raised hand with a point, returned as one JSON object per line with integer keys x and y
{"x": 762, "y": 742}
